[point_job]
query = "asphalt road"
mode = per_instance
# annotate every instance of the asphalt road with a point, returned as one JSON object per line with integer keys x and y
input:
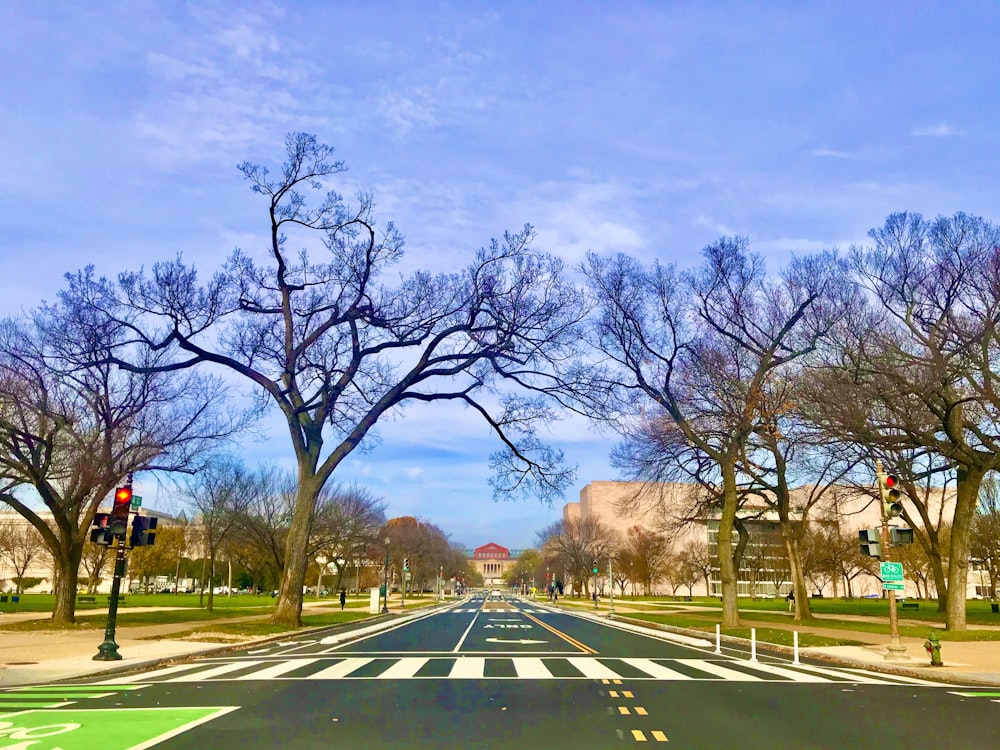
{"x": 496, "y": 674}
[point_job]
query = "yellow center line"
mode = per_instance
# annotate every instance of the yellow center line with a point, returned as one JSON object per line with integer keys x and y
{"x": 641, "y": 711}
{"x": 659, "y": 736}
{"x": 638, "y": 736}
{"x": 568, "y": 638}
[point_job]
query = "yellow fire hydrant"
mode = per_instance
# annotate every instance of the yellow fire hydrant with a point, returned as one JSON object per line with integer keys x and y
{"x": 933, "y": 647}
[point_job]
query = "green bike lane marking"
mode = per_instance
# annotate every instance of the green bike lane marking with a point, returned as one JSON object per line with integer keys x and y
{"x": 101, "y": 728}
{"x": 53, "y": 696}
{"x": 975, "y": 695}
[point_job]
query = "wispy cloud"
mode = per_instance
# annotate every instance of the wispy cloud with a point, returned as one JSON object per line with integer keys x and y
{"x": 831, "y": 153}
{"x": 940, "y": 130}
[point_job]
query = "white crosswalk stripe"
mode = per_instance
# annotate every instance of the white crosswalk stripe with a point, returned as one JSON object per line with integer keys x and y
{"x": 507, "y": 668}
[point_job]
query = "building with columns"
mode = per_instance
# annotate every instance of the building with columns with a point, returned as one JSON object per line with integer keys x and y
{"x": 493, "y": 562}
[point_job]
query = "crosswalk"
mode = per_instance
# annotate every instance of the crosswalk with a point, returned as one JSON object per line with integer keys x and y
{"x": 508, "y": 668}
{"x": 467, "y": 610}
{"x": 55, "y": 696}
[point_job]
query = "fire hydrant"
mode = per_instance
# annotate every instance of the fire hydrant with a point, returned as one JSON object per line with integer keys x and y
{"x": 933, "y": 647}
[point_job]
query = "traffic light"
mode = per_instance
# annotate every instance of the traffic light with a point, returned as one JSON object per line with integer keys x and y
{"x": 406, "y": 563}
{"x": 595, "y": 567}
{"x": 888, "y": 490}
{"x": 119, "y": 511}
{"x": 101, "y": 533}
{"x": 899, "y": 536}
{"x": 870, "y": 542}
{"x": 143, "y": 531}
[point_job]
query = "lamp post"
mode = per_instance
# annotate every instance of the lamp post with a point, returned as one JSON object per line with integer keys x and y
{"x": 611, "y": 590}
{"x": 321, "y": 561}
{"x": 385, "y": 601}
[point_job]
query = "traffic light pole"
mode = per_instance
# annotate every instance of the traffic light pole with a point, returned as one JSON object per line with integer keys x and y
{"x": 108, "y": 651}
{"x": 896, "y": 650}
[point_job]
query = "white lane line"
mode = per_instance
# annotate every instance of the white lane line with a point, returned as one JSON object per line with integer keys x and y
{"x": 403, "y": 669}
{"x": 466, "y": 633}
{"x": 530, "y": 668}
{"x": 147, "y": 675}
{"x": 897, "y": 678}
{"x": 468, "y": 667}
{"x": 215, "y": 671}
{"x": 719, "y": 671}
{"x": 590, "y": 667}
{"x": 653, "y": 669}
{"x": 277, "y": 670}
{"x": 338, "y": 670}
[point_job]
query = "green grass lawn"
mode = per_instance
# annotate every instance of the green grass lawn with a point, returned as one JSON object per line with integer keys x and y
{"x": 765, "y": 635}
{"x": 260, "y": 628}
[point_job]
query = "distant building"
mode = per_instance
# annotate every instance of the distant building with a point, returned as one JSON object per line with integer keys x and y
{"x": 493, "y": 562}
{"x": 765, "y": 571}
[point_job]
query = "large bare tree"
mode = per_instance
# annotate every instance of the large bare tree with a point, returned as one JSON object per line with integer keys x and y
{"x": 73, "y": 428}
{"x": 701, "y": 346}
{"x": 337, "y": 344}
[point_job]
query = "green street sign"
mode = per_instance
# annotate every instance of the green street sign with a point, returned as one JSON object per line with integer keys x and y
{"x": 136, "y": 502}
{"x": 892, "y": 572}
{"x": 892, "y": 586}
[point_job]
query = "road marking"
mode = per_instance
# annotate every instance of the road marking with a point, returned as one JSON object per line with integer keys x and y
{"x": 522, "y": 641}
{"x": 623, "y": 710}
{"x": 612, "y": 693}
{"x": 468, "y": 667}
{"x": 719, "y": 671}
{"x": 569, "y": 639}
{"x": 627, "y": 694}
{"x": 4, "y": 705}
{"x": 466, "y": 633}
{"x": 340, "y": 669}
{"x": 641, "y": 711}
{"x": 404, "y": 668}
{"x": 216, "y": 671}
{"x": 638, "y": 735}
{"x": 788, "y": 674}
{"x": 147, "y": 675}
{"x": 659, "y": 736}
{"x": 592, "y": 667}
{"x": 531, "y": 668}
{"x": 269, "y": 673}
{"x": 975, "y": 695}
{"x": 653, "y": 669}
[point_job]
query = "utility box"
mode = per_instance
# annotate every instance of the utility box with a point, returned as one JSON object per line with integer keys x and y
{"x": 373, "y": 603}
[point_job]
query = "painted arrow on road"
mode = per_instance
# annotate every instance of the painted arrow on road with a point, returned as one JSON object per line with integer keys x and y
{"x": 519, "y": 640}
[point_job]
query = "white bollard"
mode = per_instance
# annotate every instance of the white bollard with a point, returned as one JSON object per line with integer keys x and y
{"x": 718, "y": 639}
{"x": 795, "y": 647}
{"x": 753, "y": 644}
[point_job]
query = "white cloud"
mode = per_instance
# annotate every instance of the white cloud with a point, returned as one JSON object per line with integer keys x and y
{"x": 940, "y": 130}
{"x": 414, "y": 472}
{"x": 830, "y": 153}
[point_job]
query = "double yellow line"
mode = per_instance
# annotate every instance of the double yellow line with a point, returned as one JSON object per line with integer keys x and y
{"x": 568, "y": 638}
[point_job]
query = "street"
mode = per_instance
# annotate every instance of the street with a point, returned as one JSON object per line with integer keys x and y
{"x": 496, "y": 673}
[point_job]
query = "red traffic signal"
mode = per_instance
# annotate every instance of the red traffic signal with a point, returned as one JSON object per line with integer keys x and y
{"x": 890, "y": 480}
{"x": 120, "y": 509}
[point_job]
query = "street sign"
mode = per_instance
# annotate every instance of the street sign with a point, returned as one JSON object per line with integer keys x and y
{"x": 406, "y": 575}
{"x": 892, "y": 586}
{"x": 892, "y": 572}
{"x": 136, "y": 502}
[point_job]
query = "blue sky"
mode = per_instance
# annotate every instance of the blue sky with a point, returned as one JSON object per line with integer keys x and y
{"x": 651, "y": 128}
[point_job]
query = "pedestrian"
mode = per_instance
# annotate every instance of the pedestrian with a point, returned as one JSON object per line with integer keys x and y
{"x": 791, "y": 600}
{"x": 343, "y": 598}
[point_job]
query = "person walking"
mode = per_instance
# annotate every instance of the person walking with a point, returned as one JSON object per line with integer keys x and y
{"x": 791, "y": 600}
{"x": 343, "y": 598}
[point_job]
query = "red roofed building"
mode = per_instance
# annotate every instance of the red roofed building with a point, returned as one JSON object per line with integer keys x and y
{"x": 494, "y": 562}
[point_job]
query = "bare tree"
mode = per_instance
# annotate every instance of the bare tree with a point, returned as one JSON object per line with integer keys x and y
{"x": 924, "y": 374}
{"x": 218, "y": 495}
{"x": 21, "y": 544}
{"x": 984, "y": 545}
{"x": 94, "y": 561}
{"x": 337, "y": 347}
{"x": 702, "y": 346}
{"x": 574, "y": 545}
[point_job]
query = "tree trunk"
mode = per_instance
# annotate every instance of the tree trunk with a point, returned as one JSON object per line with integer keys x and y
{"x": 802, "y": 610}
{"x": 727, "y": 566}
{"x": 967, "y": 486}
{"x": 940, "y": 582}
{"x": 68, "y": 570}
{"x": 211, "y": 581}
{"x": 289, "y": 607}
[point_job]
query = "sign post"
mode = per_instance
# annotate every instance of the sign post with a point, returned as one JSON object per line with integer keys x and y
{"x": 896, "y": 650}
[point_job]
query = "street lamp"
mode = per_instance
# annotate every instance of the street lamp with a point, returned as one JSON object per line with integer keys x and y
{"x": 385, "y": 601}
